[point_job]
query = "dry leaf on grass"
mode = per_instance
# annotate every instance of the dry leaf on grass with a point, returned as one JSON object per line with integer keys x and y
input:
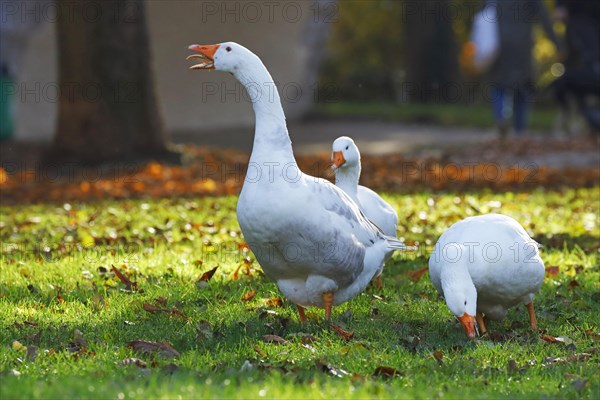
{"x": 162, "y": 348}
{"x": 347, "y": 336}
{"x": 134, "y": 361}
{"x": 418, "y": 274}
{"x": 129, "y": 285}
{"x": 275, "y": 302}
{"x": 552, "y": 271}
{"x": 208, "y": 274}
{"x": 173, "y": 311}
{"x": 330, "y": 369}
{"x": 387, "y": 372}
{"x": 249, "y": 295}
{"x": 274, "y": 339}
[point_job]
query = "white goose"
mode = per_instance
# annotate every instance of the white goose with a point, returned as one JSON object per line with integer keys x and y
{"x": 346, "y": 164}
{"x": 484, "y": 265}
{"x": 307, "y": 234}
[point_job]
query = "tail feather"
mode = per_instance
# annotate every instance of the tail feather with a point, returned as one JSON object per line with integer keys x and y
{"x": 394, "y": 243}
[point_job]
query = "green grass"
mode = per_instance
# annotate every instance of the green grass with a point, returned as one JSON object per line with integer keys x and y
{"x": 473, "y": 115}
{"x": 168, "y": 244}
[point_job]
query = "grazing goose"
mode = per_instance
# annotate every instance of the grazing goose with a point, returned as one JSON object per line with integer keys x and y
{"x": 484, "y": 265}
{"x": 307, "y": 234}
{"x": 346, "y": 164}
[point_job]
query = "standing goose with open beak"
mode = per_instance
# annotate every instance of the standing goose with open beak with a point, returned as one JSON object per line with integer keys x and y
{"x": 307, "y": 234}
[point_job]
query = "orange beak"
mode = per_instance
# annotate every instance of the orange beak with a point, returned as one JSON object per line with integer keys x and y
{"x": 468, "y": 322}
{"x": 338, "y": 159}
{"x": 206, "y": 55}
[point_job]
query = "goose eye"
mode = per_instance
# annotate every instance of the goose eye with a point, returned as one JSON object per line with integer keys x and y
{"x": 465, "y": 302}
{"x": 228, "y": 49}
{"x": 346, "y": 147}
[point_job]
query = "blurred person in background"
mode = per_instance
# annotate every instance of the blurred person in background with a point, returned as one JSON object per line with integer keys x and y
{"x": 511, "y": 74}
{"x": 581, "y": 80}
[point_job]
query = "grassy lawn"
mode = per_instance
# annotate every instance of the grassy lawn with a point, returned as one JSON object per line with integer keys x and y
{"x": 448, "y": 114}
{"x": 66, "y": 319}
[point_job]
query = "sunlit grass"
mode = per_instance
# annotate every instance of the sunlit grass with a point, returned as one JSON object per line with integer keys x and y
{"x": 167, "y": 245}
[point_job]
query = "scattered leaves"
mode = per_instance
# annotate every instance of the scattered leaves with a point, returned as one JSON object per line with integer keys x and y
{"x": 415, "y": 276}
{"x": 274, "y": 339}
{"x": 439, "y": 357}
{"x": 162, "y": 348}
{"x": 387, "y": 372}
{"x": 331, "y": 370}
{"x": 204, "y": 331}
{"x": 573, "y": 284}
{"x": 208, "y": 274}
{"x": 347, "y": 336}
{"x": 245, "y": 263}
{"x": 249, "y": 295}
{"x": 275, "y": 302}
{"x": 129, "y": 285}
{"x": 134, "y": 361}
{"x": 32, "y": 352}
{"x": 552, "y": 271}
{"x": 173, "y": 311}
{"x": 59, "y": 296}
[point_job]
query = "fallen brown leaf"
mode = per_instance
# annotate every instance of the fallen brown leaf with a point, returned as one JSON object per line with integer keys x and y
{"x": 260, "y": 351}
{"x": 329, "y": 369}
{"x": 418, "y": 274}
{"x": 307, "y": 339}
{"x": 512, "y": 365}
{"x": 249, "y": 295}
{"x": 551, "y": 271}
{"x": 173, "y": 311}
{"x": 134, "y": 361}
{"x": 387, "y": 372}
{"x": 32, "y": 352}
{"x": 59, "y": 296}
{"x": 246, "y": 264}
{"x": 129, "y": 285}
{"x": 551, "y": 339}
{"x": 162, "y": 348}
{"x": 204, "y": 330}
{"x": 275, "y": 302}
{"x": 161, "y": 301}
{"x": 573, "y": 284}
{"x": 439, "y": 356}
{"x": 274, "y": 339}
{"x": 347, "y": 336}
{"x": 208, "y": 274}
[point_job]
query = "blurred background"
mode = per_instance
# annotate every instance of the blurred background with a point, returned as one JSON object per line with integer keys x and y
{"x": 96, "y": 82}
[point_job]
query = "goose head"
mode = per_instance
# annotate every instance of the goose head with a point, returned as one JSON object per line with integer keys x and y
{"x": 227, "y": 56}
{"x": 461, "y": 299}
{"x": 344, "y": 153}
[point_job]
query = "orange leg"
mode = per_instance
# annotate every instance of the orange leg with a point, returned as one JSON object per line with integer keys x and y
{"x": 482, "y": 329}
{"x": 328, "y": 302}
{"x": 532, "y": 319}
{"x": 301, "y": 314}
{"x": 378, "y": 282}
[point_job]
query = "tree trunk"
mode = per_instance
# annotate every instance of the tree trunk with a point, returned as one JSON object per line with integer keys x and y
{"x": 107, "y": 109}
{"x": 430, "y": 47}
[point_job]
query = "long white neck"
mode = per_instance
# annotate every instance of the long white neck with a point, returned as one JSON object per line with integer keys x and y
{"x": 346, "y": 178}
{"x": 458, "y": 286}
{"x": 455, "y": 275}
{"x": 271, "y": 139}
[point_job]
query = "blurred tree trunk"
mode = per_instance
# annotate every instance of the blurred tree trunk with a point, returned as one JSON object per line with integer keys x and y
{"x": 432, "y": 56}
{"x": 107, "y": 109}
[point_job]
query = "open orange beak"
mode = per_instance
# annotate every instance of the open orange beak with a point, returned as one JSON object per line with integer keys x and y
{"x": 206, "y": 55}
{"x": 468, "y": 322}
{"x": 338, "y": 159}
